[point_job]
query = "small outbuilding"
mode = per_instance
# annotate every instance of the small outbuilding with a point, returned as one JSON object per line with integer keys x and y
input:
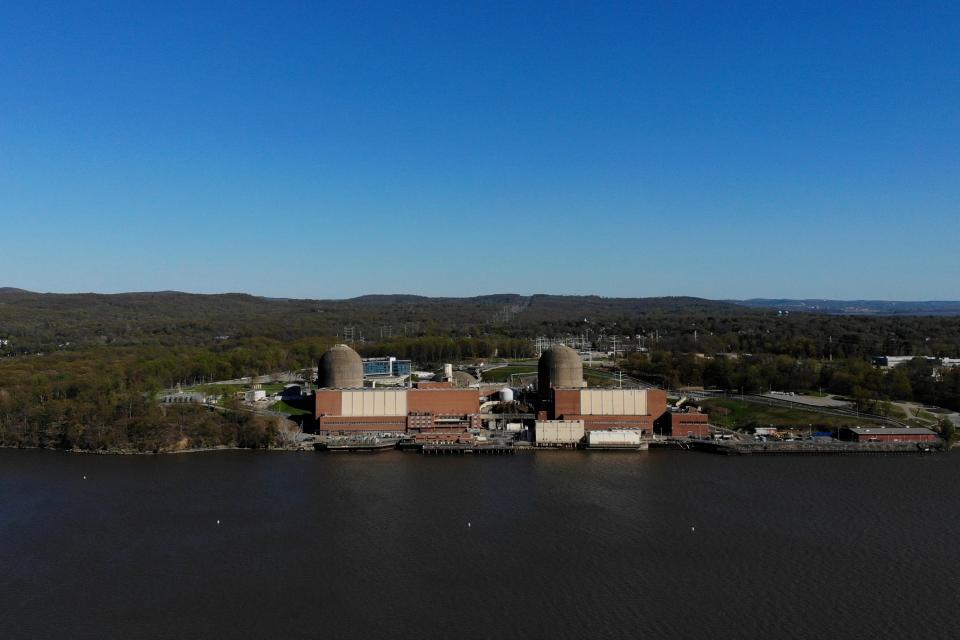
{"x": 255, "y": 395}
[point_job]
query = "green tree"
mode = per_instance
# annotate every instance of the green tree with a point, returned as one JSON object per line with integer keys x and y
{"x": 948, "y": 431}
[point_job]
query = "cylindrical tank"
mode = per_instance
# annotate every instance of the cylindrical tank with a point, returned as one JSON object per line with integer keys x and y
{"x": 448, "y": 372}
{"x": 506, "y": 394}
{"x": 560, "y": 367}
{"x": 340, "y": 368}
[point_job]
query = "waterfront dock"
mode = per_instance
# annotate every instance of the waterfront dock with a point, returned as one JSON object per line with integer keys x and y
{"x": 460, "y": 448}
{"x": 827, "y": 448}
{"x": 643, "y": 446}
{"x": 357, "y": 445}
{"x": 721, "y": 447}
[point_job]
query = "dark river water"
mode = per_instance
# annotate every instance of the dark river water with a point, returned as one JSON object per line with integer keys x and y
{"x": 545, "y": 545}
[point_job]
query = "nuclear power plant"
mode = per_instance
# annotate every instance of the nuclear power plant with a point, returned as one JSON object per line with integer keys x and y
{"x": 455, "y": 409}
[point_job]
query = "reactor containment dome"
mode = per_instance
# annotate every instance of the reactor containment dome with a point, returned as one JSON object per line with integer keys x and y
{"x": 560, "y": 367}
{"x": 340, "y": 368}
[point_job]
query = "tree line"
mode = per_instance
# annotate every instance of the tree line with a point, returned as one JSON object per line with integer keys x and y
{"x": 917, "y": 380}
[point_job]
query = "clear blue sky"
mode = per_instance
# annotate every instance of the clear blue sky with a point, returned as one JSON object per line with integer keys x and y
{"x": 624, "y": 149}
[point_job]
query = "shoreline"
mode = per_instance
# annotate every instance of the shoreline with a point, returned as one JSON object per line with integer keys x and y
{"x": 710, "y": 448}
{"x": 127, "y": 452}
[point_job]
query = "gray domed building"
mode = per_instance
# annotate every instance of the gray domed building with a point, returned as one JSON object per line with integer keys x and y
{"x": 560, "y": 367}
{"x": 462, "y": 379}
{"x": 459, "y": 379}
{"x": 340, "y": 368}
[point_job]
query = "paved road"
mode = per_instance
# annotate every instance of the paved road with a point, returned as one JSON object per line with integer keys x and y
{"x": 814, "y": 401}
{"x": 286, "y": 376}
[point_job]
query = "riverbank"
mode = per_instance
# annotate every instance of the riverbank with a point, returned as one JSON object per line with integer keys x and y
{"x": 702, "y": 446}
{"x": 131, "y": 452}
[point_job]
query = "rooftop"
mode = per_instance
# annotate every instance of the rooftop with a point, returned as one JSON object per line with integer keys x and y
{"x": 892, "y": 431}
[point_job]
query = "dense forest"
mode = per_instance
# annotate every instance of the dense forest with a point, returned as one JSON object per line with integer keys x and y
{"x": 104, "y": 398}
{"x": 83, "y": 371}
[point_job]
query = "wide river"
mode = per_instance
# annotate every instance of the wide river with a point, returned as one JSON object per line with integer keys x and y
{"x": 545, "y": 545}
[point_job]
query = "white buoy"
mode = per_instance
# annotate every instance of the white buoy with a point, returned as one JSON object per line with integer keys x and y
{"x": 84, "y": 477}
{"x": 218, "y": 522}
{"x": 469, "y": 525}
{"x": 693, "y": 528}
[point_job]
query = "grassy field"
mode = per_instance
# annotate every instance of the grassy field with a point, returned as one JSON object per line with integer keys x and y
{"x": 895, "y": 412}
{"x": 225, "y": 390}
{"x": 737, "y": 415}
{"x": 503, "y": 374}
{"x": 595, "y": 379}
{"x": 921, "y": 418}
{"x": 283, "y": 407}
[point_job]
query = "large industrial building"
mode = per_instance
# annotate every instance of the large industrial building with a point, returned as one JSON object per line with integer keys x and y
{"x": 566, "y": 397}
{"x": 342, "y": 404}
{"x": 609, "y": 408}
{"x": 566, "y": 407}
{"x": 396, "y": 410}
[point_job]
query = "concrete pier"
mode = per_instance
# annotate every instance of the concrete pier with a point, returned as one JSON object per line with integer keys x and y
{"x": 459, "y": 449}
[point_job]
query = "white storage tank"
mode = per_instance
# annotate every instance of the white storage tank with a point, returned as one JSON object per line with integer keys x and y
{"x": 514, "y": 427}
{"x": 506, "y": 394}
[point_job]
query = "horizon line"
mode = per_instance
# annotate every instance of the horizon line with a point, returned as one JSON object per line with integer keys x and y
{"x": 8, "y": 289}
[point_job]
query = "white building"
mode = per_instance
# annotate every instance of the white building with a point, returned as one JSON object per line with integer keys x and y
{"x": 255, "y": 395}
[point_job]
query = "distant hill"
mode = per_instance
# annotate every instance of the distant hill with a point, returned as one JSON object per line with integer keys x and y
{"x": 239, "y": 324}
{"x": 577, "y": 306}
{"x": 859, "y": 307}
{"x": 46, "y": 321}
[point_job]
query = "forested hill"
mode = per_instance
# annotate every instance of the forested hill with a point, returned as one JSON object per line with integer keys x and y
{"x": 34, "y": 322}
{"x": 47, "y": 321}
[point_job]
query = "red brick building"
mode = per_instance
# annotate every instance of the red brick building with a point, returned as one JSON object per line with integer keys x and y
{"x": 683, "y": 424}
{"x": 396, "y": 410}
{"x": 603, "y": 409}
